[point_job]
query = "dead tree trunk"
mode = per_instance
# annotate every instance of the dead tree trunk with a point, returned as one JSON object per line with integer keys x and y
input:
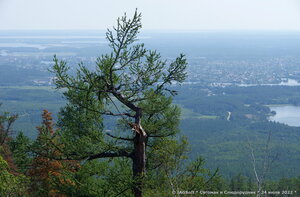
{"x": 267, "y": 161}
{"x": 139, "y": 160}
{"x": 139, "y": 154}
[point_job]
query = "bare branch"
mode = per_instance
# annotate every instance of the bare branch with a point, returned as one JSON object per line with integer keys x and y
{"x": 121, "y": 153}
{"x": 5, "y": 132}
{"x": 211, "y": 177}
{"x": 88, "y": 157}
{"x": 109, "y": 113}
{"x": 253, "y": 162}
{"x": 166, "y": 135}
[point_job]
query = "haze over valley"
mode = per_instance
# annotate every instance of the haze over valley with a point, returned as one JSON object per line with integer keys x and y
{"x": 235, "y": 81}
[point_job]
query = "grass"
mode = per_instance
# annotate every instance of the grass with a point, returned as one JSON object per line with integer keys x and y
{"x": 187, "y": 114}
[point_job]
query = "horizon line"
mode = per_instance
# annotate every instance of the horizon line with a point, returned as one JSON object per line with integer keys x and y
{"x": 169, "y": 30}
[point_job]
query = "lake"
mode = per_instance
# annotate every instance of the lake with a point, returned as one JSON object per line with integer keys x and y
{"x": 287, "y": 114}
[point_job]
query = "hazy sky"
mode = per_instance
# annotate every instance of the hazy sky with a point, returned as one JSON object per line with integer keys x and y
{"x": 157, "y": 14}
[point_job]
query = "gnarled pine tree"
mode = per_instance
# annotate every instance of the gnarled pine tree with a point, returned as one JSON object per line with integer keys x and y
{"x": 132, "y": 85}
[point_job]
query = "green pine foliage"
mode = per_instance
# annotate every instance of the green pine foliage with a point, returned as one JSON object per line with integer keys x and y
{"x": 131, "y": 84}
{"x": 10, "y": 184}
{"x": 20, "y": 148}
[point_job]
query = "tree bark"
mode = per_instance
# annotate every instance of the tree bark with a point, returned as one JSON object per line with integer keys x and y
{"x": 139, "y": 159}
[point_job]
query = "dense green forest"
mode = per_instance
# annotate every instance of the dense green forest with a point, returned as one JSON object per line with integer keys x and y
{"x": 206, "y": 127}
{"x": 223, "y": 143}
{"x": 223, "y": 147}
